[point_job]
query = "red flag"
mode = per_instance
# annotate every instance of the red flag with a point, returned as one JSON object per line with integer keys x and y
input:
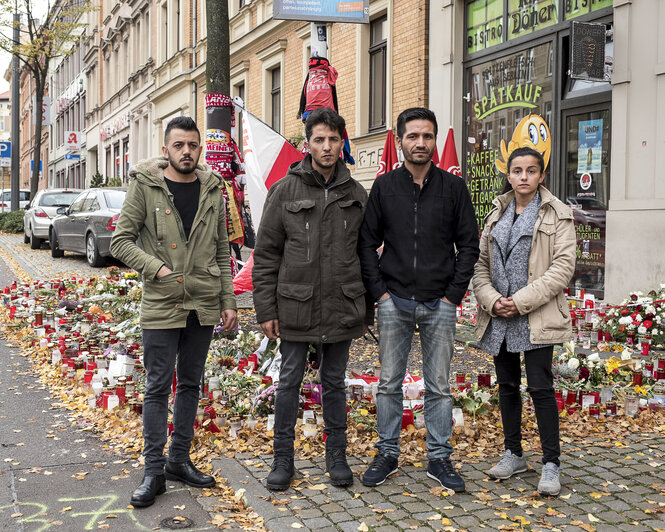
{"x": 389, "y": 160}
{"x": 449, "y": 161}
{"x": 242, "y": 282}
{"x": 435, "y": 157}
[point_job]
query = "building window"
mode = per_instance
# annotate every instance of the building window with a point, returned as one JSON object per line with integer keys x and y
{"x": 275, "y": 97}
{"x": 378, "y": 32}
{"x": 241, "y": 4}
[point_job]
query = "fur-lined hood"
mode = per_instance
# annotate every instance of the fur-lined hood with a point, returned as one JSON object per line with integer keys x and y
{"x": 153, "y": 170}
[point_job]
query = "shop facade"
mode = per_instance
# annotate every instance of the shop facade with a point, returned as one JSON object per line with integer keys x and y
{"x": 512, "y": 83}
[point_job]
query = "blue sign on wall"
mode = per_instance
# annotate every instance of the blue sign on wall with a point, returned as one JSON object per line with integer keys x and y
{"x": 5, "y": 149}
{"x": 322, "y": 10}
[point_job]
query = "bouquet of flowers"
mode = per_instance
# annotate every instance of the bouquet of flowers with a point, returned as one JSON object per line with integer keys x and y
{"x": 639, "y": 314}
{"x": 264, "y": 402}
{"x": 474, "y": 399}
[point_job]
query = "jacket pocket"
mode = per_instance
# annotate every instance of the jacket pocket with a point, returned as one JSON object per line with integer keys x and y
{"x": 294, "y": 304}
{"x": 353, "y": 304}
{"x": 160, "y": 222}
{"x": 164, "y": 292}
{"x": 298, "y": 228}
{"x": 352, "y": 215}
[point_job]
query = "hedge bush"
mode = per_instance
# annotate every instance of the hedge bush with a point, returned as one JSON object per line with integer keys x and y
{"x": 12, "y": 222}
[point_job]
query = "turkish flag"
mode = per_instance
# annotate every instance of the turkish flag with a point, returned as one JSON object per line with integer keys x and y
{"x": 389, "y": 160}
{"x": 449, "y": 161}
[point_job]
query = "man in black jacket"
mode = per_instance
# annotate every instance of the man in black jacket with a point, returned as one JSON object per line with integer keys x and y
{"x": 308, "y": 287}
{"x": 426, "y": 222}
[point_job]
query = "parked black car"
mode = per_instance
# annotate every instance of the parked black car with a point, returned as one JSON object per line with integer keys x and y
{"x": 87, "y": 225}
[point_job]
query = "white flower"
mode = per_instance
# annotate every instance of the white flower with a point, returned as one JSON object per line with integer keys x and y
{"x": 650, "y": 309}
{"x": 573, "y": 363}
{"x": 642, "y": 329}
{"x": 594, "y": 357}
{"x": 625, "y": 320}
{"x": 638, "y": 318}
{"x": 626, "y": 355}
{"x": 590, "y": 364}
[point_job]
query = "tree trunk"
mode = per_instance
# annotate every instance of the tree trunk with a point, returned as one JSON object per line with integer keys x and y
{"x": 219, "y": 111}
{"x": 218, "y": 68}
{"x": 38, "y": 113}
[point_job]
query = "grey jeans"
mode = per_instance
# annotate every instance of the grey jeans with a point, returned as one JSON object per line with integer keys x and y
{"x": 333, "y": 367}
{"x": 164, "y": 350}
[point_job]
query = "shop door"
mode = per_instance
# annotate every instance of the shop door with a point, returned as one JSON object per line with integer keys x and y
{"x": 586, "y": 189}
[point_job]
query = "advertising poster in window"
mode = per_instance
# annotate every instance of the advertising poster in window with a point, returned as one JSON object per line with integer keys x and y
{"x": 589, "y": 146}
{"x": 510, "y": 106}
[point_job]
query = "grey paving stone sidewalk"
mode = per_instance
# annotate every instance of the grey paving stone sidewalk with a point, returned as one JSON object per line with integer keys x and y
{"x": 606, "y": 487}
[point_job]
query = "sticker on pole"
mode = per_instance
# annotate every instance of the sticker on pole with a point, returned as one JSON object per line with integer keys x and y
{"x": 322, "y": 10}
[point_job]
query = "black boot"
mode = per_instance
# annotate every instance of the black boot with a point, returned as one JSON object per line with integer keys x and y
{"x": 339, "y": 470}
{"x": 151, "y": 486}
{"x": 281, "y": 474}
{"x": 187, "y": 473}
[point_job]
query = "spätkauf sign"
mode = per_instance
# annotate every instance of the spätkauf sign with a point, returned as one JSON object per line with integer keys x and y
{"x": 322, "y": 10}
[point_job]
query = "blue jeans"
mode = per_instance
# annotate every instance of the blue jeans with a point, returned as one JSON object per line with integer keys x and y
{"x": 164, "y": 350}
{"x": 437, "y": 336}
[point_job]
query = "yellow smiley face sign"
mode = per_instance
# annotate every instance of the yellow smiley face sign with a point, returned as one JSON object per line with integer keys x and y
{"x": 531, "y": 132}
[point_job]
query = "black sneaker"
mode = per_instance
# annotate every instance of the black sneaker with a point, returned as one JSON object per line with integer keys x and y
{"x": 381, "y": 468}
{"x": 444, "y": 473}
{"x": 281, "y": 474}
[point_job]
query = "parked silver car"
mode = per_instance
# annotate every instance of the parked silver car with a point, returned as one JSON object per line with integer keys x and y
{"x": 6, "y": 198}
{"x": 86, "y": 226}
{"x": 41, "y": 211}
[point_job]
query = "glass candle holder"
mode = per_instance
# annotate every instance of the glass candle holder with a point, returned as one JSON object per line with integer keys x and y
{"x": 606, "y": 392}
{"x": 630, "y": 406}
{"x": 610, "y": 408}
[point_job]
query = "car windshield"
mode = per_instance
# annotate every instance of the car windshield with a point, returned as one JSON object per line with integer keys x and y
{"x": 57, "y": 199}
{"x": 114, "y": 198}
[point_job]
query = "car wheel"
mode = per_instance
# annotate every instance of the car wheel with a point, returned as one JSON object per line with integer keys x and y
{"x": 26, "y": 238}
{"x": 35, "y": 243}
{"x": 56, "y": 252}
{"x": 92, "y": 253}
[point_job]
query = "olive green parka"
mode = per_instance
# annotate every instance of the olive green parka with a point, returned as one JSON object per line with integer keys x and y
{"x": 306, "y": 268}
{"x": 201, "y": 278}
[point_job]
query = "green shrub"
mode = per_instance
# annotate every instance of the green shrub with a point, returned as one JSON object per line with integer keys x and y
{"x": 12, "y": 222}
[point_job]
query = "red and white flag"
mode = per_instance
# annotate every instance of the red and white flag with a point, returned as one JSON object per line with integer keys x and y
{"x": 449, "y": 161}
{"x": 389, "y": 160}
{"x": 267, "y": 156}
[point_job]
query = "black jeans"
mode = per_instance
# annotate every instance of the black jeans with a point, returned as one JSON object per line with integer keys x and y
{"x": 538, "y": 363}
{"x": 333, "y": 367}
{"x": 164, "y": 350}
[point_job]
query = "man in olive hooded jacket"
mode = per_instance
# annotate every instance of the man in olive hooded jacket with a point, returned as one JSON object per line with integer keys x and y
{"x": 308, "y": 287}
{"x": 177, "y": 209}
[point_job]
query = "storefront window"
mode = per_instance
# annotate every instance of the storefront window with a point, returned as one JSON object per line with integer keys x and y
{"x": 587, "y": 192}
{"x": 510, "y": 100}
{"x": 484, "y": 24}
{"x": 527, "y": 16}
{"x": 575, "y": 8}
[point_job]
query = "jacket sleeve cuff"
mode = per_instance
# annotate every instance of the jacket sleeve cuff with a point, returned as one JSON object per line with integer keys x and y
{"x": 454, "y": 296}
{"x": 151, "y": 268}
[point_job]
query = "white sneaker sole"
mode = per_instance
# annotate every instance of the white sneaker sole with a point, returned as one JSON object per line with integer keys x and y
{"x": 497, "y": 477}
{"x": 549, "y": 493}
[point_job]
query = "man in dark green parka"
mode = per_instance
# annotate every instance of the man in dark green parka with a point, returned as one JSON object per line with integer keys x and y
{"x": 308, "y": 287}
{"x": 176, "y": 206}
